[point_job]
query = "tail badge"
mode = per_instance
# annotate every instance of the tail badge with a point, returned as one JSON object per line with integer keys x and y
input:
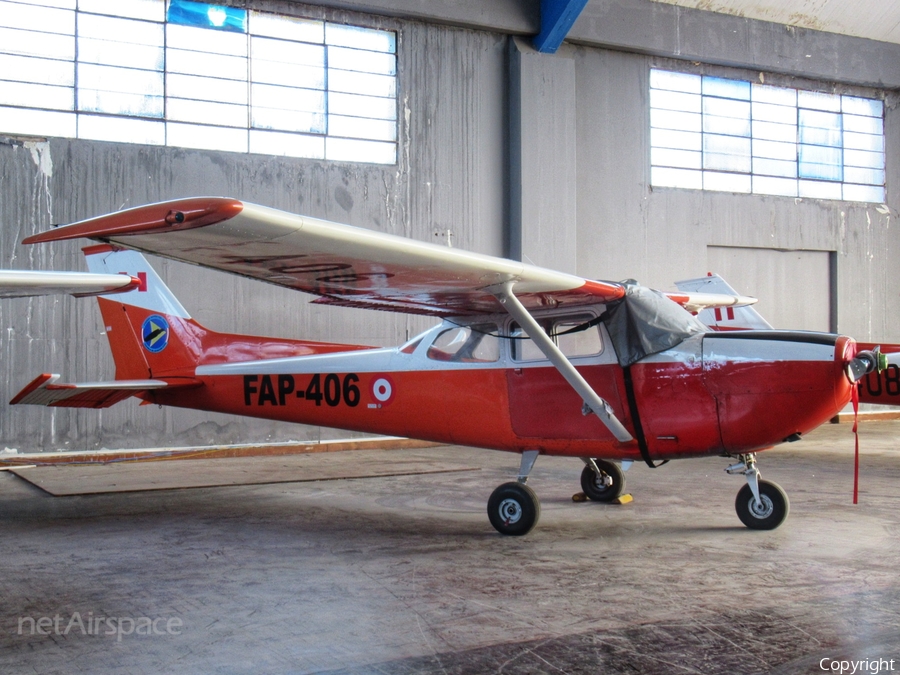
{"x": 155, "y": 333}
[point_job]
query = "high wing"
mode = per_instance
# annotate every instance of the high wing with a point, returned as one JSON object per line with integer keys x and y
{"x": 344, "y": 265}
{"x": 24, "y": 283}
{"x": 44, "y": 390}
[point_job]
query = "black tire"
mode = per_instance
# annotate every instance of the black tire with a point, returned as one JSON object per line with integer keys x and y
{"x": 774, "y": 511}
{"x": 513, "y": 509}
{"x": 605, "y": 488}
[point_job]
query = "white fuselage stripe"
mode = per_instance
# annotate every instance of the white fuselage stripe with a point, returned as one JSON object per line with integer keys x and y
{"x": 765, "y": 350}
{"x": 393, "y": 360}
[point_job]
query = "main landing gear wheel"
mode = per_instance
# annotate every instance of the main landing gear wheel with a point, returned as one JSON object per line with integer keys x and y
{"x": 513, "y": 509}
{"x": 766, "y": 516}
{"x": 605, "y": 487}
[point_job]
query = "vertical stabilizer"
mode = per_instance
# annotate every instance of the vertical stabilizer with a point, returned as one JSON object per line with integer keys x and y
{"x": 150, "y": 333}
{"x": 723, "y": 318}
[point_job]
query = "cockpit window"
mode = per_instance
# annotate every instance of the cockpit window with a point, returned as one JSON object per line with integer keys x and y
{"x": 523, "y": 348}
{"x": 466, "y": 344}
{"x": 647, "y": 322}
{"x": 574, "y": 339}
{"x": 410, "y": 346}
{"x": 574, "y": 335}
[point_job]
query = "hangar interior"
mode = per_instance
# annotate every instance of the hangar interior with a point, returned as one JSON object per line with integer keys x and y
{"x": 650, "y": 139}
{"x": 563, "y": 159}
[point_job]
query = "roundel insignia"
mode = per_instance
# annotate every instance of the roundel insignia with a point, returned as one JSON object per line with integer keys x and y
{"x": 383, "y": 390}
{"x": 155, "y": 333}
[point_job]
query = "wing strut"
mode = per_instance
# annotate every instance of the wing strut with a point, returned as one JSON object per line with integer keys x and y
{"x": 592, "y": 401}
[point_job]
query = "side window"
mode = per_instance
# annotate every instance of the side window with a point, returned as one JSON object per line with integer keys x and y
{"x": 410, "y": 346}
{"x": 585, "y": 342}
{"x": 571, "y": 341}
{"x": 523, "y": 348}
{"x": 466, "y": 344}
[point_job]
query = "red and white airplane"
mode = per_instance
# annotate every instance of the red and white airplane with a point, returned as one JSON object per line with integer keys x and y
{"x": 526, "y": 359}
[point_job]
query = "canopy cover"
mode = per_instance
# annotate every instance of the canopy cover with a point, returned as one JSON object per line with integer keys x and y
{"x": 646, "y": 322}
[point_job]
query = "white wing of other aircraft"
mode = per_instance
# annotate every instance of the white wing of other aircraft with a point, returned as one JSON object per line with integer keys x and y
{"x": 26, "y": 283}
{"x": 719, "y": 317}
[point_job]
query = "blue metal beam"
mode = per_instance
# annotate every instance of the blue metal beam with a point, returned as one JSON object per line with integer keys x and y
{"x": 557, "y": 18}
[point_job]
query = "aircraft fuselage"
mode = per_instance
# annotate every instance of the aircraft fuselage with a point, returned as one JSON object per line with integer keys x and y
{"x": 713, "y": 394}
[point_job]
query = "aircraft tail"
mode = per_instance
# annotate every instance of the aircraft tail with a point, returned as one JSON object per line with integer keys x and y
{"x": 725, "y": 318}
{"x": 150, "y": 333}
{"x": 155, "y": 343}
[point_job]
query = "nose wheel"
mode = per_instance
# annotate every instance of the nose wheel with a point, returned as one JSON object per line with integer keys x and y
{"x": 766, "y": 514}
{"x": 602, "y": 481}
{"x": 760, "y": 504}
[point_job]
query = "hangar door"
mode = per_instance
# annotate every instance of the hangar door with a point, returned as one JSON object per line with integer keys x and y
{"x": 796, "y": 289}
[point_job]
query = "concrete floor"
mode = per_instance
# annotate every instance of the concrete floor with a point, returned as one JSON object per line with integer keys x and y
{"x": 402, "y": 575}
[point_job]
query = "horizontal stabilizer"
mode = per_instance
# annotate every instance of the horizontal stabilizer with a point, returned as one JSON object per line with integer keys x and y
{"x": 43, "y": 390}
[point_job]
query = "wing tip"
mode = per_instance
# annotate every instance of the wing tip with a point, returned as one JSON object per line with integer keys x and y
{"x": 37, "y": 383}
{"x": 179, "y": 214}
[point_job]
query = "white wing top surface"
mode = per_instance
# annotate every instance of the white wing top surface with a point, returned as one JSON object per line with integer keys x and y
{"x": 344, "y": 265}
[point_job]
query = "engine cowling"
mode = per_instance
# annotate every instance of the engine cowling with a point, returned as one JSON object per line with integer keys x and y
{"x": 772, "y": 386}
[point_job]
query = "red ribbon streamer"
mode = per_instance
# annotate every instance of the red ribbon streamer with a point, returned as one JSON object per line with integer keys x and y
{"x": 854, "y": 396}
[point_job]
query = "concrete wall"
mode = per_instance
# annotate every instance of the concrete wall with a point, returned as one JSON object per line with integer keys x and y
{"x": 450, "y": 177}
{"x": 501, "y": 151}
{"x": 627, "y": 229}
{"x": 543, "y": 156}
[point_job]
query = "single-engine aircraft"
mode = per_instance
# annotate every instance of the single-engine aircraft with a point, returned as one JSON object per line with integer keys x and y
{"x": 526, "y": 359}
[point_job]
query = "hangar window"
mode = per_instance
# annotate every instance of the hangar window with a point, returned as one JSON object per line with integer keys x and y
{"x": 191, "y": 74}
{"x": 713, "y": 133}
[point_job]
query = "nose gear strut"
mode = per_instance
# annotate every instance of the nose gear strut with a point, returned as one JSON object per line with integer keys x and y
{"x": 746, "y": 466}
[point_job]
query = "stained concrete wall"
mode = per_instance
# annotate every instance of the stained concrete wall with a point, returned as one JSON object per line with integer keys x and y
{"x": 463, "y": 85}
{"x": 450, "y": 177}
{"x": 542, "y": 158}
{"x": 628, "y": 229}
{"x": 662, "y": 29}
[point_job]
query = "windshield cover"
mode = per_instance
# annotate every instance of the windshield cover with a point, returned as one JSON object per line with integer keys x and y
{"x": 646, "y": 322}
